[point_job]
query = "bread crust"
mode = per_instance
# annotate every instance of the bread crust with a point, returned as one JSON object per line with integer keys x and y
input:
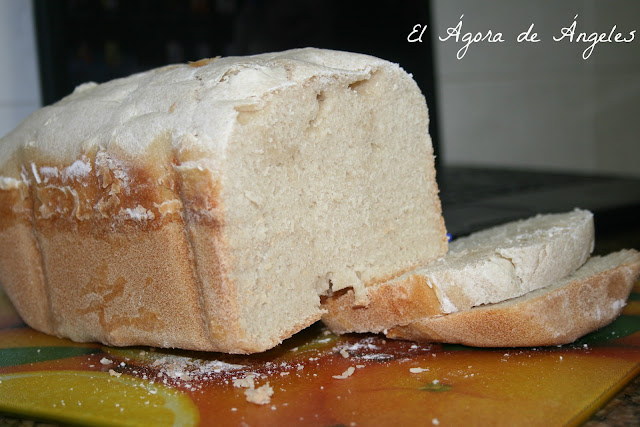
{"x": 551, "y": 317}
{"x": 390, "y": 303}
{"x": 22, "y": 275}
{"x": 151, "y": 256}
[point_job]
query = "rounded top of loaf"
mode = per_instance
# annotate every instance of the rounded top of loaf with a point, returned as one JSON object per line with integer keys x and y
{"x": 200, "y": 100}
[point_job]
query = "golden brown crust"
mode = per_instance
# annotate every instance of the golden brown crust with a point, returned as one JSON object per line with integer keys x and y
{"x": 556, "y": 317}
{"x": 152, "y": 233}
{"x": 125, "y": 288}
{"x": 22, "y": 276}
{"x": 202, "y": 62}
{"x": 199, "y": 192}
{"x": 390, "y": 304}
{"x": 14, "y": 207}
{"x": 21, "y": 271}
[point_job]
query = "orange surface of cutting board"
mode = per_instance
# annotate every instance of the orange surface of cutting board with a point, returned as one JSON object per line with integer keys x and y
{"x": 315, "y": 378}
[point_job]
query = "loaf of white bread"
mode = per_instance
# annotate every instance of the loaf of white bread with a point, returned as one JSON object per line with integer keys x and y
{"x": 209, "y": 205}
{"x": 226, "y": 204}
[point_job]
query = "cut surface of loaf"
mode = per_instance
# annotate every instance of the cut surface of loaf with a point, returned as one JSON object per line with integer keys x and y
{"x": 485, "y": 267}
{"x": 208, "y": 205}
{"x": 584, "y": 301}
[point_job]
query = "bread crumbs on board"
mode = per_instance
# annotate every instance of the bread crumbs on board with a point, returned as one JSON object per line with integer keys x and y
{"x": 259, "y": 396}
{"x": 345, "y": 374}
{"x": 192, "y": 373}
{"x": 246, "y": 382}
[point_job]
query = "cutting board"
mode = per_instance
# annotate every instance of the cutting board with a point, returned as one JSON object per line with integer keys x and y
{"x": 315, "y": 378}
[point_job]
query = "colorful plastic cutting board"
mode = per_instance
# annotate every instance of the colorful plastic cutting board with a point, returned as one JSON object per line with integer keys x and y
{"x": 316, "y": 378}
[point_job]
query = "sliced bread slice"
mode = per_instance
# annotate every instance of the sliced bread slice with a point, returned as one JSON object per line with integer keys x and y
{"x": 582, "y": 302}
{"x": 486, "y": 267}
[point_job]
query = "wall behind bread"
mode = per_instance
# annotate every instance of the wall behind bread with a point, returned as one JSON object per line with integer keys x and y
{"x": 19, "y": 82}
{"x": 540, "y": 105}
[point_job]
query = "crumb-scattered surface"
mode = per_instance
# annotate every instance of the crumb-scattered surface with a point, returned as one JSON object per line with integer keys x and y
{"x": 245, "y": 382}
